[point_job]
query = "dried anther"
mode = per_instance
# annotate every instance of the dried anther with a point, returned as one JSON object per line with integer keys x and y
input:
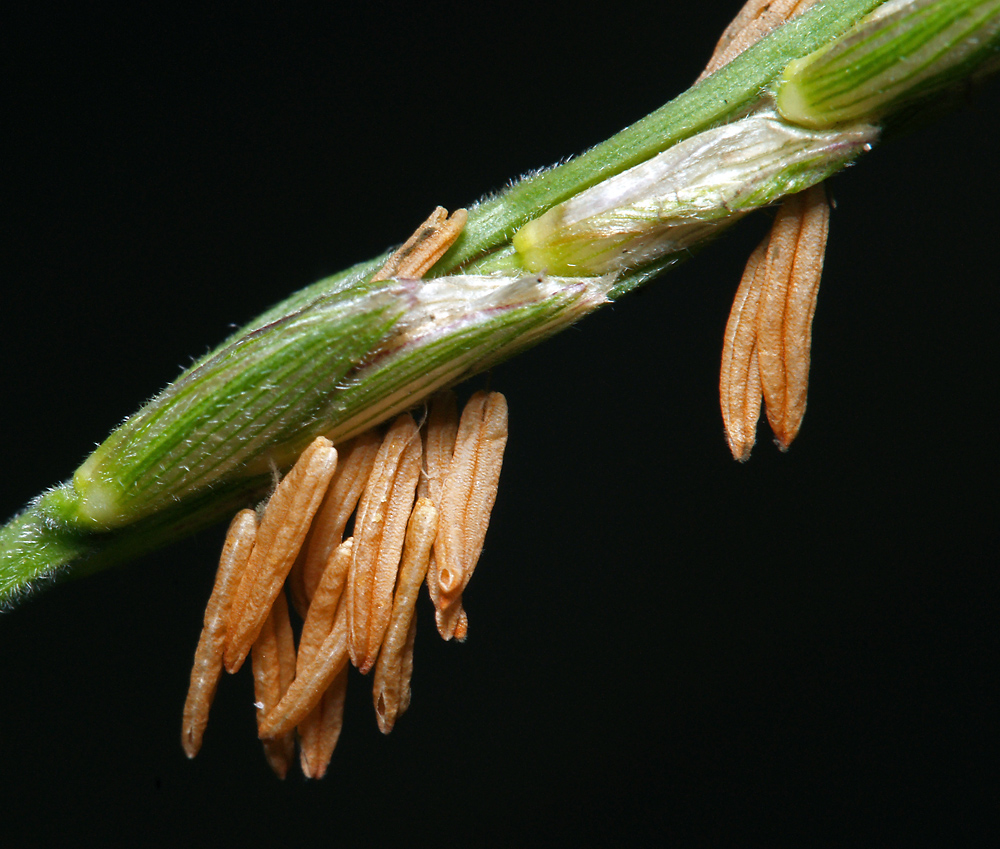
{"x": 769, "y": 334}
{"x": 279, "y": 538}
{"x": 784, "y": 324}
{"x": 273, "y": 657}
{"x": 380, "y": 530}
{"x": 212, "y": 643}
{"x": 354, "y": 466}
{"x": 311, "y": 682}
{"x": 467, "y": 497}
{"x": 320, "y": 730}
{"x": 395, "y": 661}
{"x": 439, "y": 448}
{"x": 417, "y": 255}
{"x": 325, "y": 602}
{"x": 739, "y": 380}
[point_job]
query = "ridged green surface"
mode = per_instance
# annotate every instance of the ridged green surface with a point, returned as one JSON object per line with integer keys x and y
{"x": 890, "y": 58}
{"x": 230, "y": 410}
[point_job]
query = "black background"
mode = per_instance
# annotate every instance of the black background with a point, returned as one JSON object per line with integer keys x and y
{"x": 662, "y": 641}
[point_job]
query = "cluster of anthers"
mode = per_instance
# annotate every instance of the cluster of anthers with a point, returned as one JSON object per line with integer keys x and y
{"x": 420, "y": 497}
{"x": 766, "y": 349}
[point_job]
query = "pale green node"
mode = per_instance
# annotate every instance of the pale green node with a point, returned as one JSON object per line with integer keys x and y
{"x": 100, "y": 501}
{"x": 685, "y": 194}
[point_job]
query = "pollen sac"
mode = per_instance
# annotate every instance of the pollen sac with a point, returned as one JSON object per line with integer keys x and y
{"x": 685, "y": 194}
{"x": 905, "y": 49}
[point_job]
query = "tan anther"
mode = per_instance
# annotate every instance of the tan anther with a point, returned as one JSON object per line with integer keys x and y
{"x": 379, "y": 531}
{"x": 461, "y": 625}
{"x": 319, "y": 731}
{"x": 354, "y": 465}
{"x": 323, "y": 608}
{"x": 406, "y": 669}
{"x": 391, "y": 689}
{"x": 794, "y": 265}
{"x": 294, "y": 584}
{"x": 439, "y": 443}
{"x": 273, "y": 658}
{"x": 211, "y": 645}
{"x": 279, "y": 538}
{"x": 417, "y": 255}
{"x": 739, "y": 378}
{"x": 311, "y": 681}
{"x": 467, "y": 499}
{"x": 439, "y": 447}
{"x": 755, "y": 20}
